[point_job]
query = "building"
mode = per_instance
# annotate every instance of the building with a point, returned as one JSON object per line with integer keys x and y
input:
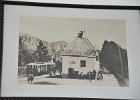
{"x": 80, "y": 55}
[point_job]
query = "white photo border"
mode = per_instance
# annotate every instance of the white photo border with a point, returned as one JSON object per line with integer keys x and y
{"x": 9, "y": 86}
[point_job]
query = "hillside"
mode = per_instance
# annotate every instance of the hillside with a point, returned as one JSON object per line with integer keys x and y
{"x": 28, "y": 45}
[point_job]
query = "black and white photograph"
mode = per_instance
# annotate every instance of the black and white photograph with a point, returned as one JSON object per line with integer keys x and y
{"x": 72, "y": 51}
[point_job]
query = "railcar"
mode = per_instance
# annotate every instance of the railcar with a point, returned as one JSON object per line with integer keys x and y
{"x": 40, "y": 68}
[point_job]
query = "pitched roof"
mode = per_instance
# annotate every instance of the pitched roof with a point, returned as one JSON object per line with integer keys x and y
{"x": 79, "y": 47}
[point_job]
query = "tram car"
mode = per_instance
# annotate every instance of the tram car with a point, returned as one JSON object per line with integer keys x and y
{"x": 40, "y": 68}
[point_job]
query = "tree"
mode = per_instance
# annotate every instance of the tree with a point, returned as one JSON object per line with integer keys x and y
{"x": 41, "y": 53}
{"x": 24, "y": 56}
{"x": 114, "y": 59}
{"x": 59, "y": 65}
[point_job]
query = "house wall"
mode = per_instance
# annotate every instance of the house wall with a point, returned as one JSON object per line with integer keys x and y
{"x": 90, "y": 64}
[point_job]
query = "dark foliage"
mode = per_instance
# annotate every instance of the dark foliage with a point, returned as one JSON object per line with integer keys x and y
{"x": 58, "y": 65}
{"x": 26, "y": 56}
{"x": 33, "y": 49}
{"x": 114, "y": 59}
{"x": 41, "y": 53}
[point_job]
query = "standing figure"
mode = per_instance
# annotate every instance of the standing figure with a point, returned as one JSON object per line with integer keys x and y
{"x": 94, "y": 74}
{"x": 81, "y": 75}
{"x": 77, "y": 74}
{"x": 89, "y": 74}
{"x": 50, "y": 74}
{"x": 30, "y": 78}
{"x": 60, "y": 72}
{"x": 54, "y": 72}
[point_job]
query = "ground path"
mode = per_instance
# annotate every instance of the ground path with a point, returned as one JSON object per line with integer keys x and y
{"x": 109, "y": 80}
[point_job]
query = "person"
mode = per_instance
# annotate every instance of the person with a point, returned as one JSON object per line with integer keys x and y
{"x": 54, "y": 72}
{"x": 50, "y": 74}
{"x": 30, "y": 78}
{"x": 100, "y": 75}
{"x": 60, "y": 72}
{"x": 77, "y": 74}
{"x": 94, "y": 74}
{"x": 89, "y": 74}
{"x": 81, "y": 75}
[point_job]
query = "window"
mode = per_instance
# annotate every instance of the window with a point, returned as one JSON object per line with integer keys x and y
{"x": 83, "y": 63}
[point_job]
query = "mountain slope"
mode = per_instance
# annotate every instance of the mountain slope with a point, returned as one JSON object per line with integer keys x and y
{"x": 28, "y": 45}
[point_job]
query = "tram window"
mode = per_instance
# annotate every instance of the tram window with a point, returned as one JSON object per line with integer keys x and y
{"x": 30, "y": 66}
{"x": 34, "y": 66}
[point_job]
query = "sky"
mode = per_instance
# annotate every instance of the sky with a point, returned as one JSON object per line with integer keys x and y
{"x": 57, "y": 29}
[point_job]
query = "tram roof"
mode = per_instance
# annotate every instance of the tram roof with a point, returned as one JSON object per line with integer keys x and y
{"x": 41, "y": 63}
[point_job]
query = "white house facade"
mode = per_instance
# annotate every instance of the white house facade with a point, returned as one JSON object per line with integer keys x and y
{"x": 81, "y": 64}
{"x": 80, "y": 55}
